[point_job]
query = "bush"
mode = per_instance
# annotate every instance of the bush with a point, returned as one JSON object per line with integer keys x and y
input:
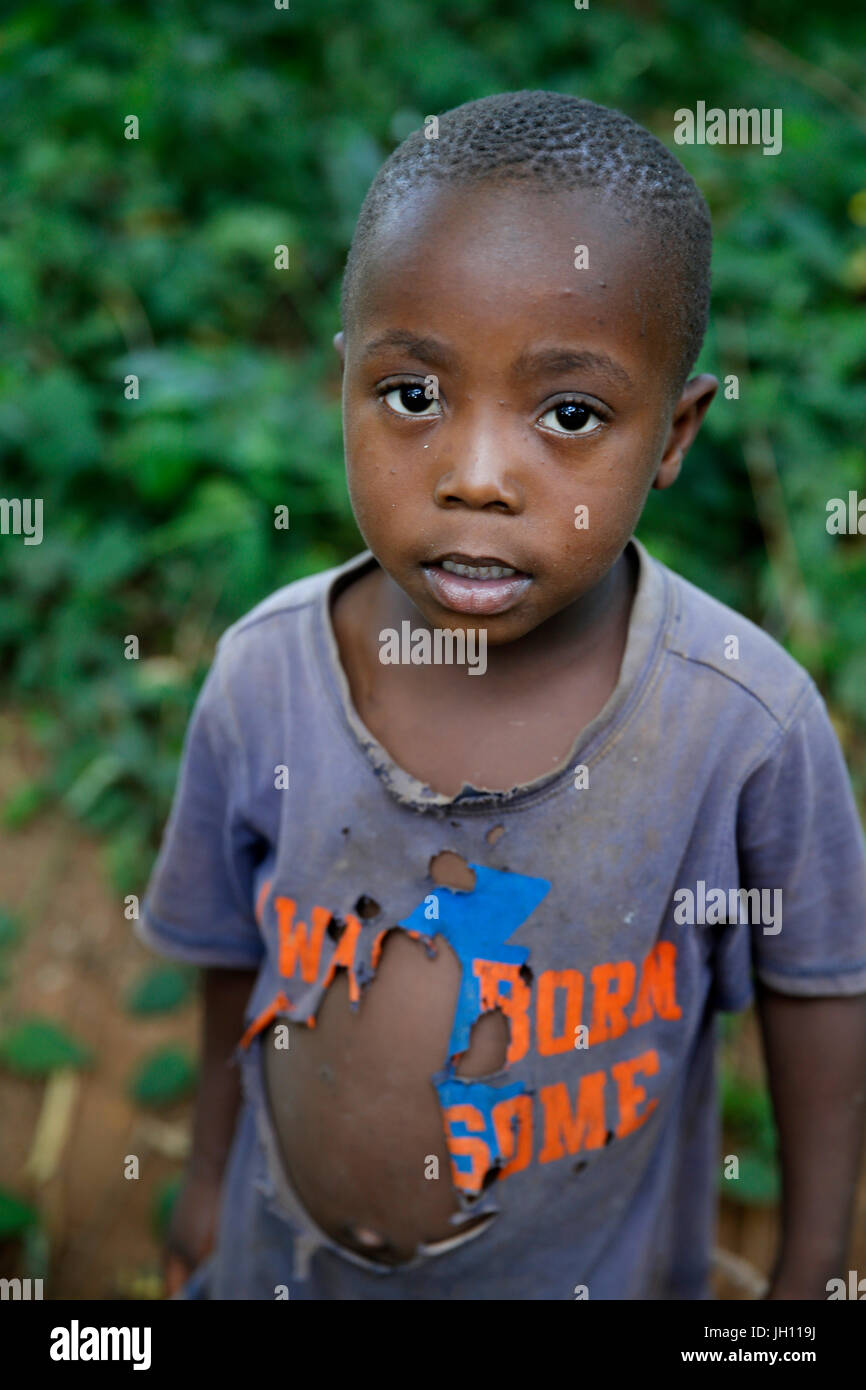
{"x": 155, "y": 258}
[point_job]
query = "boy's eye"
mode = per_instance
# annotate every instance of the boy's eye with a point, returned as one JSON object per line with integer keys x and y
{"x": 411, "y": 399}
{"x": 571, "y": 417}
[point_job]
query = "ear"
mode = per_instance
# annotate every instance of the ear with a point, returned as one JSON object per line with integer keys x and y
{"x": 340, "y": 345}
{"x": 687, "y": 418}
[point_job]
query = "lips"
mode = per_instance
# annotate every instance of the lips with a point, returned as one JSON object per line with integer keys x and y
{"x": 475, "y": 584}
{"x": 459, "y": 558}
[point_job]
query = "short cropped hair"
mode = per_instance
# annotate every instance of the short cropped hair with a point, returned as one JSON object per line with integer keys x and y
{"x": 560, "y": 142}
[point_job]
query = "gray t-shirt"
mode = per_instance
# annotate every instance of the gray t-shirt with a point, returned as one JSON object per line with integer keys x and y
{"x": 604, "y": 923}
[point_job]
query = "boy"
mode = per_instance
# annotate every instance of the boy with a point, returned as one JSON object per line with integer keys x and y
{"x": 466, "y": 937}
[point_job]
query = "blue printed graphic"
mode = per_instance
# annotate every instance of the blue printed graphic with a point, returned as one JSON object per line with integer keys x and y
{"x": 477, "y": 926}
{"x": 453, "y": 1091}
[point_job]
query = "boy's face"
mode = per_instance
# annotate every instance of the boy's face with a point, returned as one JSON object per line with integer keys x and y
{"x": 553, "y": 395}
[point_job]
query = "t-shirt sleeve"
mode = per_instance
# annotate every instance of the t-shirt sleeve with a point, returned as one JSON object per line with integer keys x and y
{"x": 799, "y": 832}
{"x": 199, "y": 902}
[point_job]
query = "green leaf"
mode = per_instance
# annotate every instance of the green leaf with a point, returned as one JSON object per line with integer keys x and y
{"x": 37, "y": 1046}
{"x": 164, "y": 1199}
{"x": 10, "y": 929}
{"x": 94, "y": 780}
{"x": 160, "y": 989}
{"x": 218, "y": 510}
{"x": 757, "y": 1184}
{"x": 15, "y": 1215}
{"x": 746, "y": 1108}
{"x": 23, "y": 804}
{"x": 162, "y": 1077}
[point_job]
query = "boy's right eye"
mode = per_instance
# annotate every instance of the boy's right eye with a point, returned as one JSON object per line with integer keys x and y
{"x": 411, "y": 398}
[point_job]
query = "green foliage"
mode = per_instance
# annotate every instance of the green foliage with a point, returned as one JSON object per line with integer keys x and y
{"x": 36, "y": 1046}
{"x": 758, "y": 1182}
{"x": 10, "y": 930}
{"x": 163, "y": 1204}
{"x": 155, "y": 257}
{"x": 23, "y": 804}
{"x": 166, "y": 1075}
{"x": 160, "y": 989}
{"x": 10, "y": 935}
{"x": 37, "y": 1251}
{"x": 747, "y": 1114}
{"x": 15, "y": 1216}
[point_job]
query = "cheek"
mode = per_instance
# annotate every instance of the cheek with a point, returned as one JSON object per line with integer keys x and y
{"x": 379, "y": 503}
{"x": 598, "y": 496}
{"x": 370, "y": 472}
{"x": 389, "y": 480}
{"x": 590, "y": 517}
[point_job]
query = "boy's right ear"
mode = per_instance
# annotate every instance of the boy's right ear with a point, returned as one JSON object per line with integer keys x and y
{"x": 340, "y": 345}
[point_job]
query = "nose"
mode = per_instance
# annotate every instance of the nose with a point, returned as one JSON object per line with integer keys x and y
{"x": 483, "y": 476}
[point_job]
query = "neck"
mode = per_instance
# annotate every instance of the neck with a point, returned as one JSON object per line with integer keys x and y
{"x": 579, "y": 634}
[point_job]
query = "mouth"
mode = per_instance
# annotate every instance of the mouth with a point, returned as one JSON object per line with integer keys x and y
{"x": 481, "y": 584}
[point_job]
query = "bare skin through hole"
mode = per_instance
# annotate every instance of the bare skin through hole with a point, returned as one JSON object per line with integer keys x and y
{"x": 488, "y": 1044}
{"x": 355, "y": 1110}
{"x": 495, "y": 833}
{"x": 371, "y": 1240}
{"x": 450, "y": 870}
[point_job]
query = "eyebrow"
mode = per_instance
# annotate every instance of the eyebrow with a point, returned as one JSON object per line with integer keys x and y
{"x": 424, "y": 349}
{"x": 556, "y": 359}
{"x": 532, "y": 363}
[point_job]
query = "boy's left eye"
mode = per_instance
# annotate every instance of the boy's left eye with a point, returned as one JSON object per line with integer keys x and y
{"x": 411, "y": 399}
{"x": 571, "y": 417}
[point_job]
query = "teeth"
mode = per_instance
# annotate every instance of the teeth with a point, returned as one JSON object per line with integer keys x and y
{"x": 478, "y": 571}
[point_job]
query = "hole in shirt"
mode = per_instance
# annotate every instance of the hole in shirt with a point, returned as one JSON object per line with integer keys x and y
{"x": 367, "y": 907}
{"x": 450, "y": 870}
{"x": 363, "y": 1236}
{"x": 335, "y": 928}
{"x": 488, "y": 1045}
{"x": 491, "y": 1176}
{"x": 494, "y": 833}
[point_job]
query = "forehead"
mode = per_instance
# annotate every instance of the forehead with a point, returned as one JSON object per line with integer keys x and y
{"x": 509, "y": 265}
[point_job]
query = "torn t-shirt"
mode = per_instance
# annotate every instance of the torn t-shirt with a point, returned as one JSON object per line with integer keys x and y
{"x": 605, "y": 923}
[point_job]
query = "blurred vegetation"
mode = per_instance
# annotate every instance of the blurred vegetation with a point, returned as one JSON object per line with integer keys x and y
{"x": 155, "y": 256}
{"x": 35, "y": 1047}
{"x": 164, "y": 1076}
{"x": 160, "y": 989}
{"x": 751, "y": 1132}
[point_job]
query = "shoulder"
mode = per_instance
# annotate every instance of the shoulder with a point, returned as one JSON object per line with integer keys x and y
{"x": 272, "y": 657}
{"x": 722, "y": 650}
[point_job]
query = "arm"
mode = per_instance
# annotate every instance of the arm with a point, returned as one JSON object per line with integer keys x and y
{"x": 815, "y": 1050}
{"x": 225, "y": 994}
{"x": 193, "y": 1223}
